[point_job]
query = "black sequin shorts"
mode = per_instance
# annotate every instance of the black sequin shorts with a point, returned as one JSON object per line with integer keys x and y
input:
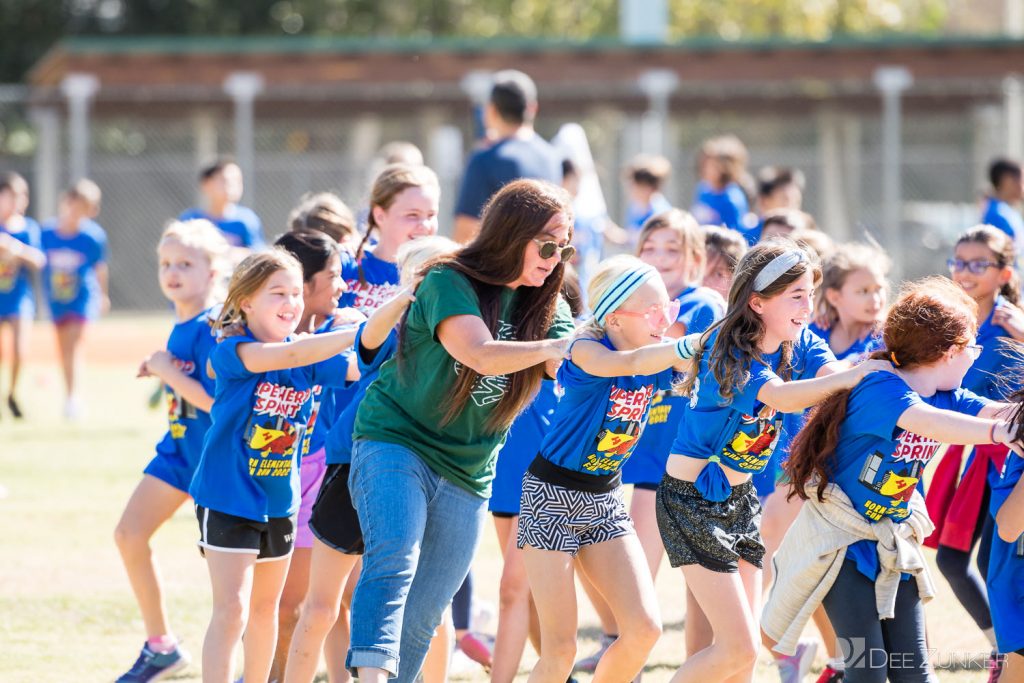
{"x": 714, "y": 535}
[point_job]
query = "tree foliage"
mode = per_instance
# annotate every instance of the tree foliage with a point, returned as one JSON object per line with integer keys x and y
{"x": 29, "y": 27}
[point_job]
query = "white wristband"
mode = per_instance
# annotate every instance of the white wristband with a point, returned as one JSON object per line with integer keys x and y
{"x": 686, "y": 346}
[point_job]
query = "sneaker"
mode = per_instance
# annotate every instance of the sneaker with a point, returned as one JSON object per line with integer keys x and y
{"x": 589, "y": 664}
{"x": 15, "y": 409}
{"x": 476, "y": 649}
{"x": 995, "y": 666}
{"x": 793, "y": 668}
{"x": 152, "y": 666}
{"x": 72, "y": 409}
{"x": 830, "y": 675}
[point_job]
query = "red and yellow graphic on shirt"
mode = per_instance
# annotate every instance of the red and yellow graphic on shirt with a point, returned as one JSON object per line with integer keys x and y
{"x": 177, "y": 407}
{"x": 896, "y": 481}
{"x": 272, "y": 430}
{"x": 752, "y": 446}
{"x": 614, "y": 443}
{"x": 64, "y": 285}
{"x": 8, "y": 274}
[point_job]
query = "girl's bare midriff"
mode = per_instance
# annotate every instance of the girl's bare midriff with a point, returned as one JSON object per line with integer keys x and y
{"x": 687, "y": 468}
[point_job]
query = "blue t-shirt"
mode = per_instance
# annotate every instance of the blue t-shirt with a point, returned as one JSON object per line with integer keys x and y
{"x": 987, "y": 375}
{"x": 699, "y": 309}
{"x": 250, "y": 462}
{"x": 806, "y": 367}
{"x": 191, "y": 343}
{"x": 16, "y": 297}
{"x": 339, "y": 440}
{"x": 69, "y": 276}
{"x": 743, "y": 432}
{"x": 1005, "y": 580}
{"x": 520, "y": 448}
{"x": 720, "y": 207}
{"x": 1001, "y": 215}
{"x": 378, "y": 285}
{"x": 637, "y": 214}
{"x": 877, "y": 464}
{"x": 240, "y": 225}
{"x": 325, "y": 403}
{"x": 858, "y": 351}
{"x": 491, "y": 168}
{"x": 751, "y": 227}
{"x": 599, "y": 420}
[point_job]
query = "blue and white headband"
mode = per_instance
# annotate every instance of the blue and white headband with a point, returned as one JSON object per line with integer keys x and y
{"x": 622, "y": 289}
{"x": 777, "y": 267}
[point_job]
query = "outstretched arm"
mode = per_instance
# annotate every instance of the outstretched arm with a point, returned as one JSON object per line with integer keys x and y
{"x": 384, "y": 319}
{"x": 264, "y": 357}
{"x": 792, "y": 397}
{"x": 595, "y": 359}
{"x": 467, "y": 340}
{"x": 161, "y": 364}
{"x": 947, "y": 426}
{"x": 1010, "y": 518}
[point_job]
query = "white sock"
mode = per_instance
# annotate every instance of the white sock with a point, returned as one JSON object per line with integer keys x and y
{"x": 837, "y": 664}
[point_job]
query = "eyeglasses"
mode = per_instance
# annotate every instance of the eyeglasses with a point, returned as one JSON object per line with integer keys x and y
{"x": 976, "y": 267}
{"x": 658, "y": 316}
{"x": 547, "y": 249}
{"x": 974, "y": 350}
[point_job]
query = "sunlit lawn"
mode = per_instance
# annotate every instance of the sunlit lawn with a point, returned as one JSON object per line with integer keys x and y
{"x": 66, "y": 611}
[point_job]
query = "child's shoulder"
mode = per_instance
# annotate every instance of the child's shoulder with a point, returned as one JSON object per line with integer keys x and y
{"x": 93, "y": 230}
{"x": 877, "y": 385}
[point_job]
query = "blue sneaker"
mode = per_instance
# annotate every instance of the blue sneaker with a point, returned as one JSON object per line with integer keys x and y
{"x": 152, "y": 666}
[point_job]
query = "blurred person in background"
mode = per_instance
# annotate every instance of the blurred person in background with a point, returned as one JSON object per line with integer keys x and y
{"x": 517, "y": 151}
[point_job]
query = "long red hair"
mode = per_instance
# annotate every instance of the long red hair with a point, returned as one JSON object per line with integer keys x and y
{"x": 930, "y": 316}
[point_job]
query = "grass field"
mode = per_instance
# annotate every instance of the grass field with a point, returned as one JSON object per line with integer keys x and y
{"x": 66, "y": 611}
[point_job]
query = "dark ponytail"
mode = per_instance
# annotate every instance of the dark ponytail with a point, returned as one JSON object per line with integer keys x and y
{"x": 312, "y": 249}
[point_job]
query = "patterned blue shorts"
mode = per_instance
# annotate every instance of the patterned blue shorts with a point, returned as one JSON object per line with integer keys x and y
{"x": 553, "y": 517}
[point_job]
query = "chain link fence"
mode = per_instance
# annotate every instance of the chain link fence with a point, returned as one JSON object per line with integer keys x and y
{"x": 147, "y": 168}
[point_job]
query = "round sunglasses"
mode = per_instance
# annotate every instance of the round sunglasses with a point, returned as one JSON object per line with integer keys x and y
{"x": 547, "y": 249}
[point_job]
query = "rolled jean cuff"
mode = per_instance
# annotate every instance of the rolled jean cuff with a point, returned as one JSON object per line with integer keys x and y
{"x": 372, "y": 657}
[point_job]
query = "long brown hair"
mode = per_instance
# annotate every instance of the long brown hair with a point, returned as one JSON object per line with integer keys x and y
{"x": 515, "y": 215}
{"x": 930, "y": 316}
{"x": 742, "y": 329}
{"x": 1002, "y": 247}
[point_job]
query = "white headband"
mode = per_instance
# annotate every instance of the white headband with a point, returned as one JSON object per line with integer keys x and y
{"x": 776, "y": 267}
{"x": 621, "y": 289}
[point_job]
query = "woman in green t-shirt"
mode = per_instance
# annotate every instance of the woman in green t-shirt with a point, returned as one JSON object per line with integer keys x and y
{"x": 486, "y": 325}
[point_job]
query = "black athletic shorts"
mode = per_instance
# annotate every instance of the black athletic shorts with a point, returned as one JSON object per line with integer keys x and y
{"x": 334, "y": 521}
{"x": 270, "y": 540}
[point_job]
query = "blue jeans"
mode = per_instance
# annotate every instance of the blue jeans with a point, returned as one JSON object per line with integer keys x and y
{"x": 421, "y": 532}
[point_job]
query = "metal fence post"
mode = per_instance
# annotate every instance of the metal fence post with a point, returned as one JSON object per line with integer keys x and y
{"x": 243, "y": 87}
{"x": 46, "y": 181}
{"x": 79, "y": 89}
{"x": 891, "y": 81}
{"x": 658, "y": 85}
{"x": 1013, "y": 105}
